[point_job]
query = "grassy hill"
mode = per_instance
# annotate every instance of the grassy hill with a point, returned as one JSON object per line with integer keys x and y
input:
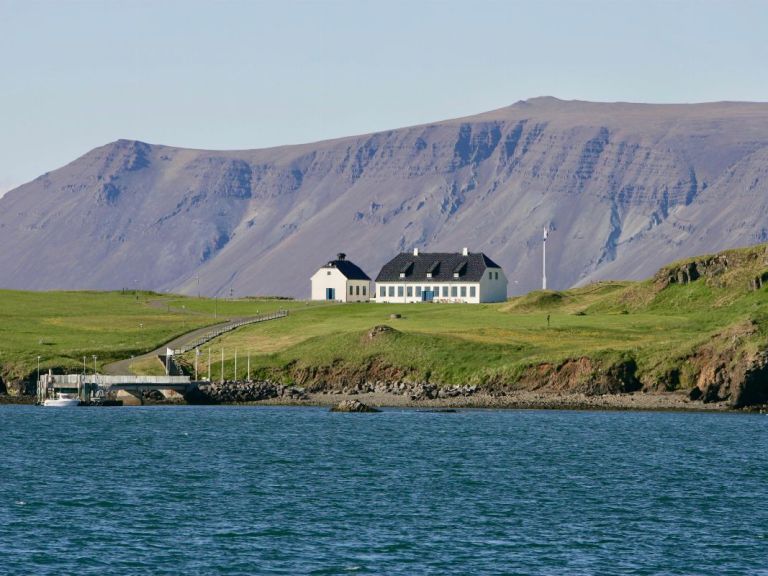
{"x": 698, "y": 326}
{"x": 699, "y": 323}
{"x": 64, "y": 327}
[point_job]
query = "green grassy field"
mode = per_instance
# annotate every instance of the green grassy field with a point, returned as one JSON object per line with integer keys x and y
{"x": 658, "y": 324}
{"x": 64, "y": 327}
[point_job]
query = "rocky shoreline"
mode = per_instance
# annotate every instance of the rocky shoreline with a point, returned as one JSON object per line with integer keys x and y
{"x": 402, "y": 394}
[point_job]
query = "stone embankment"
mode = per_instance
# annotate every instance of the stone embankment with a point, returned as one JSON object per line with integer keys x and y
{"x": 236, "y": 392}
{"x": 412, "y": 390}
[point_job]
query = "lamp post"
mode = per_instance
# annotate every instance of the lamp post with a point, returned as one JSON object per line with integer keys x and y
{"x": 94, "y": 367}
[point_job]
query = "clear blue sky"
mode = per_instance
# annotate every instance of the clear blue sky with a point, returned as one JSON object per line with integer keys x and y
{"x": 77, "y": 74}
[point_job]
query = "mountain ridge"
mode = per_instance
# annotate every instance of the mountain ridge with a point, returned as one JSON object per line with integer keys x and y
{"x": 624, "y": 187}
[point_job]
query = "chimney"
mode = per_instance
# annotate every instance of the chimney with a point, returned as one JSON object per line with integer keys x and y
{"x": 415, "y": 251}
{"x": 465, "y": 251}
{"x": 341, "y": 256}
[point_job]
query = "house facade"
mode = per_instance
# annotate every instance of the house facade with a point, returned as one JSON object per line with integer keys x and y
{"x": 341, "y": 281}
{"x": 463, "y": 277}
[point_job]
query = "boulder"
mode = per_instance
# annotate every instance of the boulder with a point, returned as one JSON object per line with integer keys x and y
{"x": 381, "y": 330}
{"x": 353, "y": 406}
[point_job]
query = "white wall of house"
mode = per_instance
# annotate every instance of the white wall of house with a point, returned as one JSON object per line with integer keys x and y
{"x": 491, "y": 288}
{"x": 344, "y": 290}
{"x": 408, "y": 292}
{"x": 493, "y": 285}
{"x": 358, "y": 291}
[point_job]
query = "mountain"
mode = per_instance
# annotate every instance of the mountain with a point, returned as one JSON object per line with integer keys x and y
{"x": 623, "y": 188}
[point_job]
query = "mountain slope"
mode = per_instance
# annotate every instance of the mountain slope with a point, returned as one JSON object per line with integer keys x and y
{"x": 624, "y": 188}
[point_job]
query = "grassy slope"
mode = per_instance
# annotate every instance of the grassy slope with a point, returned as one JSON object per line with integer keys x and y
{"x": 62, "y": 327}
{"x": 656, "y": 324}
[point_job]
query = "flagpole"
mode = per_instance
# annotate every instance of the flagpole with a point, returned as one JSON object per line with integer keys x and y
{"x": 544, "y": 262}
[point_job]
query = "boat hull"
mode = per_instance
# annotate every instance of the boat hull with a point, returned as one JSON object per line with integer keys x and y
{"x": 61, "y": 403}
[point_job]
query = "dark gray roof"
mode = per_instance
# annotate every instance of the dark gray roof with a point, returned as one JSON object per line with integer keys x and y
{"x": 442, "y": 265}
{"x": 350, "y": 270}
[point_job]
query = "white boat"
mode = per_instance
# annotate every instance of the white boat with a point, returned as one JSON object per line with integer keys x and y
{"x": 62, "y": 400}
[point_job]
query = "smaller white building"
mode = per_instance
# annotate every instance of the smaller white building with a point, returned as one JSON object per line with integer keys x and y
{"x": 341, "y": 281}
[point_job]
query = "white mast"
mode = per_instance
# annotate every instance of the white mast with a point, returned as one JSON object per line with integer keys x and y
{"x": 544, "y": 262}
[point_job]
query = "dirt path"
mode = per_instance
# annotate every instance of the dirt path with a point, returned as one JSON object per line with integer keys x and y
{"x": 122, "y": 366}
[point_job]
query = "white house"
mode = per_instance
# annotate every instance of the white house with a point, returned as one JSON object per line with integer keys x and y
{"x": 441, "y": 277}
{"x": 342, "y": 281}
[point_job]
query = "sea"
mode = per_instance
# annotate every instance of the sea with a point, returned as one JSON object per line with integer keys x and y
{"x": 279, "y": 490}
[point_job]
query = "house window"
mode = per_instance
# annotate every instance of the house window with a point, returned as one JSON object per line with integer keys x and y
{"x": 429, "y": 274}
{"x": 400, "y": 291}
{"x": 351, "y": 290}
{"x": 496, "y": 274}
{"x": 418, "y": 291}
{"x": 472, "y": 292}
{"x": 364, "y": 290}
{"x": 382, "y": 291}
{"x": 409, "y": 291}
{"x": 445, "y": 291}
{"x": 490, "y": 275}
{"x": 357, "y": 291}
{"x": 391, "y": 291}
{"x": 328, "y": 273}
{"x": 463, "y": 291}
{"x": 454, "y": 291}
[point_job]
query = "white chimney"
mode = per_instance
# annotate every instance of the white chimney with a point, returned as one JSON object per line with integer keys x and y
{"x": 415, "y": 251}
{"x": 465, "y": 251}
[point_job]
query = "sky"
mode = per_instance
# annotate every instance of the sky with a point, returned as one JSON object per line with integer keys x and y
{"x": 75, "y": 75}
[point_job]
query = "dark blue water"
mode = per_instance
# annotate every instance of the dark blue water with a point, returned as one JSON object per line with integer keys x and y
{"x": 206, "y": 490}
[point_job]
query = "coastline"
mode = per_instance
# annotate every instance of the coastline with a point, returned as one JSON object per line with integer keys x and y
{"x": 522, "y": 400}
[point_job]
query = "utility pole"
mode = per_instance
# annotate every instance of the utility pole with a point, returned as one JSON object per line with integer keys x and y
{"x": 544, "y": 261}
{"x": 209, "y": 364}
{"x": 222, "y": 365}
{"x": 235, "y": 364}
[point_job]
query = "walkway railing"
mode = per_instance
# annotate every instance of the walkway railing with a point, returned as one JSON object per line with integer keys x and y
{"x": 207, "y": 337}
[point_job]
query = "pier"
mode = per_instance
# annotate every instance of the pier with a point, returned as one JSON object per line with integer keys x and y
{"x": 96, "y": 388}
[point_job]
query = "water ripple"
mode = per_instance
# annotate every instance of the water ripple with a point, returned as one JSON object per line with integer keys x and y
{"x": 217, "y": 490}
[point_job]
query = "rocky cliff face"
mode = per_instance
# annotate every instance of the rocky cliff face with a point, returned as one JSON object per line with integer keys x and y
{"x": 623, "y": 187}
